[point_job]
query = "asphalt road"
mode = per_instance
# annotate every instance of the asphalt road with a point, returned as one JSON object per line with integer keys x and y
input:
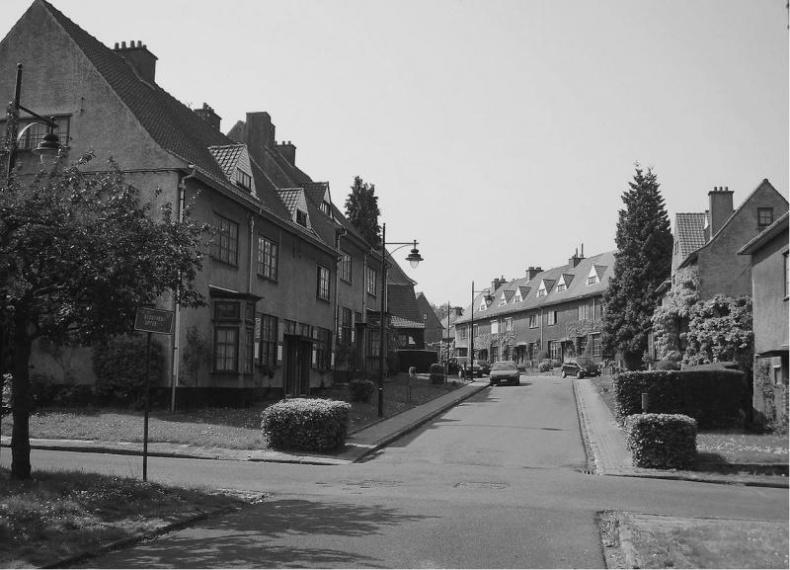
{"x": 495, "y": 482}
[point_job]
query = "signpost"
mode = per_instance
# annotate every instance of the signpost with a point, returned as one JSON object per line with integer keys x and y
{"x": 150, "y": 321}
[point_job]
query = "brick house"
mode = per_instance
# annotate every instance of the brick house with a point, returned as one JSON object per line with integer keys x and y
{"x": 768, "y": 253}
{"x": 433, "y": 326}
{"x": 274, "y": 295}
{"x": 556, "y": 313}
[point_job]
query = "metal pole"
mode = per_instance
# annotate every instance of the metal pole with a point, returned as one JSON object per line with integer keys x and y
{"x": 472, "y": 337}
{"x": 381, "y": 320}
{"x": 147, "y": 406}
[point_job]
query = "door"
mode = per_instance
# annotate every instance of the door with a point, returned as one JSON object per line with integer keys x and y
{"x": 298, "y": 353}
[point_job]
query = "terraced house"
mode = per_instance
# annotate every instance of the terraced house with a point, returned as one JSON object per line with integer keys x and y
{"x": 556, "y": 313}
{"x": 287, "y": 276}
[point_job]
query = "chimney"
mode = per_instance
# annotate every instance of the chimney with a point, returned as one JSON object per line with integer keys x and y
{"x": 288, "y": 150}
{"x": 458, "y": 311}
{"x": 207, "y": 114}
{"x": 574, "y": 261}
{"x": 532, "y": 272}
{"x": 258, "y": 134}
{"x": 496, "y": 283}
{"x": 138, "y": 56}
{"x": 720, "y": 200}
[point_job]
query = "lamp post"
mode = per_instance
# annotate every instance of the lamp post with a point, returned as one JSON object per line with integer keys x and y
{"x": 49, "y": 145}
{"x": 414, "y": 258}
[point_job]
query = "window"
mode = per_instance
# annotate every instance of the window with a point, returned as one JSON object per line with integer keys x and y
{"x": 266, "y": 337}
{"x": 542, "y": 291}
{"x": 323, "y": 283}
{"x": 551, "y": 317}
{"x": 533, "y": 321}
{"x": 322, "y": 339}
{"x": 244, "y": 180}
{"x": 765, "y": 216}
{"x": 345, "y": 267}
{"x": 555, "y": 350}
{"x": 227, "y": 243}
{"x": 494, "y": 327}
{"x": 226, "y": 349}
{"x": 475, "y": 331}
{"x": 301, "y": 218}
{"x": 786, "y": 274}
{"x": 326, "y": 207}
{"x": 463, "y": 333}
{"x": 509, "y": 324}
{"x": 227, "y": 311}
{"x": 370, "y": 281}
{"x": 561, "y": 286}
{"x": 346, "y": 325}
{"x": 248, "y": 356}
{"x": 268, "y": 256}
{"x": 592, "y": 276}
{"x": 595, "y": 342}
{"x": 584, "y": 312}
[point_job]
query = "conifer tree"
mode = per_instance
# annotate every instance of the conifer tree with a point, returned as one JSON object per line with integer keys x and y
{"x": 362, "y": 210}
{"x": 642, "y": 262}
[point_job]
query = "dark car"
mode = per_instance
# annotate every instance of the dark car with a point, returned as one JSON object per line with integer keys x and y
{"x": 504, "y": 371}
{"x": 580, "y": 367}
{"x": 480, "y": 368}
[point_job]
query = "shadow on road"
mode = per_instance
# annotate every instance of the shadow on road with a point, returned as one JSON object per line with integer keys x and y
{"x": 258, "y": 536}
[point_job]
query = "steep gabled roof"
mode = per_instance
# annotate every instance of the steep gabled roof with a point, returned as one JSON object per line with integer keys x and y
{"x": 689, "y": 231}
{"x": 779, "y": 227}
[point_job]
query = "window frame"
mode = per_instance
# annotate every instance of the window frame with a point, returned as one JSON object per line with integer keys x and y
{"x": 323, "y": 283}
{"x": 226, "y": 252}
{"x": 371, "y": 280}
{"x": 231, "y": 359}
{"x": 765, "y": 210}
{"x": 551, "y": 318}
{"x": 345, "y": 267}
{"x": 268, "y": 259}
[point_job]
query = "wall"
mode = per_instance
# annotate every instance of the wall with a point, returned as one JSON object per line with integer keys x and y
{"x": 770, "y": 301}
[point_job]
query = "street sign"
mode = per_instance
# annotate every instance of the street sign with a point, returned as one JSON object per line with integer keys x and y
{"x": 154, "y": 320}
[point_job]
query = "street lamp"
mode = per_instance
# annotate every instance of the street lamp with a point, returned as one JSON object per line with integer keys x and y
{"x": 472, "y": 330}
{"x": 414, "y": 258}
{"x": 49, "y": 145}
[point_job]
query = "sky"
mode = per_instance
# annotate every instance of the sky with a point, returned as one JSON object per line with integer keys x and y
{"x": 499, "y": 134}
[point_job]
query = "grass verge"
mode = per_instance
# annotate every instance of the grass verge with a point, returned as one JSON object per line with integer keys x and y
{"x": 58, "y": 515}
{"x": 726, "y": 451}
{"x": 633, "y": 540}
{"x": 229, "y": 428}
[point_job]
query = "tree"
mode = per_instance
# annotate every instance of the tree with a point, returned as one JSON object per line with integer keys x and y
{"x": 362, "y": 210}
{"x": 720, "y": 330}
{"x": 79, "y": 254}
{"x": 643, "y": 260}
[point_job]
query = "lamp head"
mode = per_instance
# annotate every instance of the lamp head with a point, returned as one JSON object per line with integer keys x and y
{"x": 49, "y": 145}
{"x": 414, "y": 258}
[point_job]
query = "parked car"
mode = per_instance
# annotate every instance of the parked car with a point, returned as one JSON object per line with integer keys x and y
{"x": 504, "y": 371}
{"x": 480, "y": 368}
{"x": 580, "y": 367}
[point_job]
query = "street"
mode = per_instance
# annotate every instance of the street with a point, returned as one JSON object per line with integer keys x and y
{"x": 497, "y": 481}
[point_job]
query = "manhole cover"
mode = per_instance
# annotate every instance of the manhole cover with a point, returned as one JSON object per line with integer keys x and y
{"x": 481, "y": 485}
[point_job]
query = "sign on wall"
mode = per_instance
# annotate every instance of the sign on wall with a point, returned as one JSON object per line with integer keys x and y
{"x": 154, "y": 320}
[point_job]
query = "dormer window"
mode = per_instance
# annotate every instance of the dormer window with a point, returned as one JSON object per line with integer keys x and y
{"x": 483, "y": 305}
{"x": 326, "y": 208}
{"x": 517, "y": 297}
{"x": 301, "y": 218}
{"x": 244, "y": 180}
{"x": 561, "y": 286}
{"x": 545, "y": 287}
{"x": 592, "y": 276}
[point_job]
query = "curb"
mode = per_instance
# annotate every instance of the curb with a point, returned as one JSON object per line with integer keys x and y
{"x": 424, "y": 419}
{"x": 584, "y": 430}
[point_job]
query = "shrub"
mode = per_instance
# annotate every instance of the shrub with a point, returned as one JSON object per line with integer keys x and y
{"x": 662, "y": 441}
{"x": 361, "y": 390}
{"x": 119, "y": 365}
{"x": 545, "y": 365}
{"x": 437, "y": 374}
{"x": 667, "y": 365}
{"x": 306, "y": 424}
{"x": 712, "y": 397}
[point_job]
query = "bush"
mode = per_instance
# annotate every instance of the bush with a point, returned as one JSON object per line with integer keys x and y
{"x": 306, "y": 424}
{"x": 437, "y": 374}
{"x": 662, "y": 441}
{"x": 119, "y": 365}
{"x": 545, "y": 365}
{"x": 712, "y": 397}
{"x": 361, "y": 390}
{"x": 667, "y": 365}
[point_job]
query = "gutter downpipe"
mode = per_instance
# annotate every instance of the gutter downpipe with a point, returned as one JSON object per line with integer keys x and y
{"x": 339, "y": 232}
{"x": 175, "y": 356}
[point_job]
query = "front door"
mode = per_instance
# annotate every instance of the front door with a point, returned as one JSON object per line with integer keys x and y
{"x": 298, "y": 353}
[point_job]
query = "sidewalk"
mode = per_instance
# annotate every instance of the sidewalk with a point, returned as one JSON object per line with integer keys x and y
{"x": 607, "y": 453}
{"x": 358, "y": 445}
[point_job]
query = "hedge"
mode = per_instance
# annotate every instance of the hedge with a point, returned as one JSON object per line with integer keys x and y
{"x": 662, "y": 441}
{"x": 361, "y": 390}
{"x": 437, "y": 374}
{"x": 306, "y": 424}
{"x": 713, "y": 397}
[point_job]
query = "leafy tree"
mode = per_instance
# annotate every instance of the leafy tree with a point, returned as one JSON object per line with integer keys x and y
{"x": 362, "y": 210}
{"x": 720, "y": 330}
{"x": 78, "y": 254}
{"x": 643, "y": 260}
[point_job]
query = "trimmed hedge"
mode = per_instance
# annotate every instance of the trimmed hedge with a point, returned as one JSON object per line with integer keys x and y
{"x": 306, "y": 424}
{"x": 437, "y": 374}
{"x": 712, "y": 397}
{"x": 662, "y": 441}
{"x": 361, "y": 390}
{"x": 119, "y": 364}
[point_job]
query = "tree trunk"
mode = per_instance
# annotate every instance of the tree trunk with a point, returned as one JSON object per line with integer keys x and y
{"x": 20, "y": 390}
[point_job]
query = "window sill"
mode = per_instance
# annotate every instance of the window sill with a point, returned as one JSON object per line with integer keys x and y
{"x": 223, "y": 262}
{"x": 269, "y": 279}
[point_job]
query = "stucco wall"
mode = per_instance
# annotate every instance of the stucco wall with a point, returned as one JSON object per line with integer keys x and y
{"x": 770, "y": 302}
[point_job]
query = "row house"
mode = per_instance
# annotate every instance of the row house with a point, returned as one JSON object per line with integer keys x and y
{"x": 433, "y": 326}
{"x": 554, "y": 313}
{"x": 287, "y": 278}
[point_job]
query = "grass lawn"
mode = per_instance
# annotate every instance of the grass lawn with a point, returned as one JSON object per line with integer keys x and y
{"x": 57, "y": 515}
{"x": 727, "y": 451}
{"x": 228, "y": 428}
{"x": 648, "y": 541}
